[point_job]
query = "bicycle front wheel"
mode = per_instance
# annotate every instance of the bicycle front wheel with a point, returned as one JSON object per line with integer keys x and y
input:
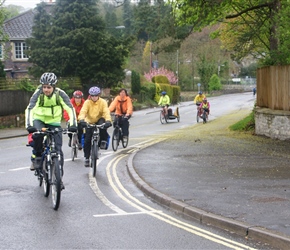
{"x": 204, "y": 117}
{"x": 115, "y": 139}
{"x": 125, "y": 141}
{"x": 94, "y": 157}
{"x": 162, "y": 117}
{"x": 46, "y": 184}
{"x": 55, "y": 183}
{"x": 74, "y": 150}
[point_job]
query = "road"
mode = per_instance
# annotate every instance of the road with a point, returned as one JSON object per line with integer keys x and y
{"x": 108, "y": 212}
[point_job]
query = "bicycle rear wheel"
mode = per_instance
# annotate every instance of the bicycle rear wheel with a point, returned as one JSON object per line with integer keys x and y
{"x": 94, "y": 157}
{"x": 55, "y": 183}
{"x": 125, "y": 142}
{"x": 46, "y": 184}
{"x": 115, "y": 139}
{"x": 74, "y": 147}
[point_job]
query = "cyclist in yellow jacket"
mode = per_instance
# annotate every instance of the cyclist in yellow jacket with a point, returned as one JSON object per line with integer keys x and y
{"x": 198, "y": 100}
{"x": 95, "y": 111}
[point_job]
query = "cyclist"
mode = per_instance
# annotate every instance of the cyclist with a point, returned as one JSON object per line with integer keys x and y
{"x": 205, "y": 106}
{"x": 164, "y": 101}
{"x": 95, "y": 111}
{"x": 198, "y": 100}
{"x": 45, "y": 111}
{"x": 122, "y": 105}
{"x": 77, "y": 101}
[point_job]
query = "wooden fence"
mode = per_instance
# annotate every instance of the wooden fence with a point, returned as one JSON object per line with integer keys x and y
{"x": 273, "y": 87}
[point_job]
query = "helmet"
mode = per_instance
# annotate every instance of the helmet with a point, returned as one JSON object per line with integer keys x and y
{"x": 200, "y": 92}
{"x": 48, "y": 78}
{"x": 78, "y": 94}
{"x": 204, "y": 100}
{"x": 163, "y": 92}
{"x": 94, "y": 91}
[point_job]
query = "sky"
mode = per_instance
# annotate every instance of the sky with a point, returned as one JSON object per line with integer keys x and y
{"x": 24, "y": 3}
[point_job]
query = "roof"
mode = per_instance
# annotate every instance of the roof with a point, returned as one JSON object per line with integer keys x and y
{"x": 20, "y": 27}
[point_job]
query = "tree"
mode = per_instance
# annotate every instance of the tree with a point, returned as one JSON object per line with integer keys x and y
{"x": 73, "y": 41}
{"x": 259, "y": 27}
{"x": 135, "y": 82}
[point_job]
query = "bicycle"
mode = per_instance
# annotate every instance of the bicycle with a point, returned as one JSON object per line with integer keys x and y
{"x": 74, "y": 144}
{"x": 198, "y": 114}
{"x": 117, "y": 136}
{"x": 163, "y": 117}
{"x": 170, "y": 115}
{"x": 95, "y": 145}
{"x": 49, "y": 169}
{"x": 204, "y": 116}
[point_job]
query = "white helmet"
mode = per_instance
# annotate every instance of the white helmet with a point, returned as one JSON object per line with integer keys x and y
{"x": 48, "y": 78}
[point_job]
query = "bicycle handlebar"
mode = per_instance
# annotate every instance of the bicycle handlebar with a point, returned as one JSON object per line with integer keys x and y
{"x": 95, "y": 125}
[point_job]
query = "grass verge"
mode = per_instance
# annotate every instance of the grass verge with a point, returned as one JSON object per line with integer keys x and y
{"x": 246, "y": 124}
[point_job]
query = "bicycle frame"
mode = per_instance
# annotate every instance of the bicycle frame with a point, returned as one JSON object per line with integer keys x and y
{"x": 95, "y": 145}
{"x": 50, "y": 169}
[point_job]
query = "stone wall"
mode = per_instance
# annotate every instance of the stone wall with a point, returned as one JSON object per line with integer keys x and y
{"x": 272, "y": 123}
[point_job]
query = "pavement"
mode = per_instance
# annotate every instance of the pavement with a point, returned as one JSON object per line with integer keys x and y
{"x": 235, "y": 181}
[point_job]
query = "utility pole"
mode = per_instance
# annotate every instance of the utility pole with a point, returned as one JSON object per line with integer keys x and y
{"x": 177, "y": 66}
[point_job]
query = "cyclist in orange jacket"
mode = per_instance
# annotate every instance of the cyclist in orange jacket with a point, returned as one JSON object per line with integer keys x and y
{"x": 122, "y": 105}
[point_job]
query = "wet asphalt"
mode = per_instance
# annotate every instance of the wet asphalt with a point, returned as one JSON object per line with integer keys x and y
{"x": 235, "y": 181}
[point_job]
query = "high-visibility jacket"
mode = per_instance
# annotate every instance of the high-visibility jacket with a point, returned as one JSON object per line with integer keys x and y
{"x": 49, "y": 109}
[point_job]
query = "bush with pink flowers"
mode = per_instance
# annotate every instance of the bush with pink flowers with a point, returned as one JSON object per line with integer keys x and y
{"x": 162, "y": 71}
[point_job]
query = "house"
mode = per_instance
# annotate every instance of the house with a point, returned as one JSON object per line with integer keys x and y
{"x": 12, "y": 53}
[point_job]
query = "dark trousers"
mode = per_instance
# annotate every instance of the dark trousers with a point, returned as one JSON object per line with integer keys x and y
{"x": 38, "y": 139}
{"x": 88, "y": 138}
{"x": 123, "y": 123}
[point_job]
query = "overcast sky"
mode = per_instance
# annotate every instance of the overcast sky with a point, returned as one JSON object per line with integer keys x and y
{"x": 24, "y": 3}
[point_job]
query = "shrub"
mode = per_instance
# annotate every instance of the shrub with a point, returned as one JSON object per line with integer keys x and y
{"x": 214, "y": 83}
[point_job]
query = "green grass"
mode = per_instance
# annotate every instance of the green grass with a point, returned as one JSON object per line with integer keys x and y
{"x": 246, "y": 124}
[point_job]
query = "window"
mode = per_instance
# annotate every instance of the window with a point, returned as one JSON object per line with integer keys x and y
{"x": 20, "y": 48}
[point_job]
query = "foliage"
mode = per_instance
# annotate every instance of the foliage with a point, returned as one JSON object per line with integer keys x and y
{"x": 175, "y": 94}
{"x": 246, "y": 124}
{"x": 63, "y": 84}
{"x": 135, "y": 82}
{"x": 257, "y": 27}
{"x": 162, "y": 71}
{"x": 12, "y": 10}
{"x": 2, "y": 72}
{"x": 206, "y": 69}
{"x": 27, "y": 85}
{"x": 214, "y": 83}
{"x": 160, "y": 79}
{"x": 74, "y": 42}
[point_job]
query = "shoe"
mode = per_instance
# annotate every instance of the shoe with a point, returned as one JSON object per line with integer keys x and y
{"x": 32, "y": 166}
{"x": 103, "y": 145}
{"x": 62, "y": 186}
{"x": 69, "y": 142}
{"x": 87, "y": 163}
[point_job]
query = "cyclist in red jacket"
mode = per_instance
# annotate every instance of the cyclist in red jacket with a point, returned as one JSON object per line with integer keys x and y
{"x": 77, "y": 101}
